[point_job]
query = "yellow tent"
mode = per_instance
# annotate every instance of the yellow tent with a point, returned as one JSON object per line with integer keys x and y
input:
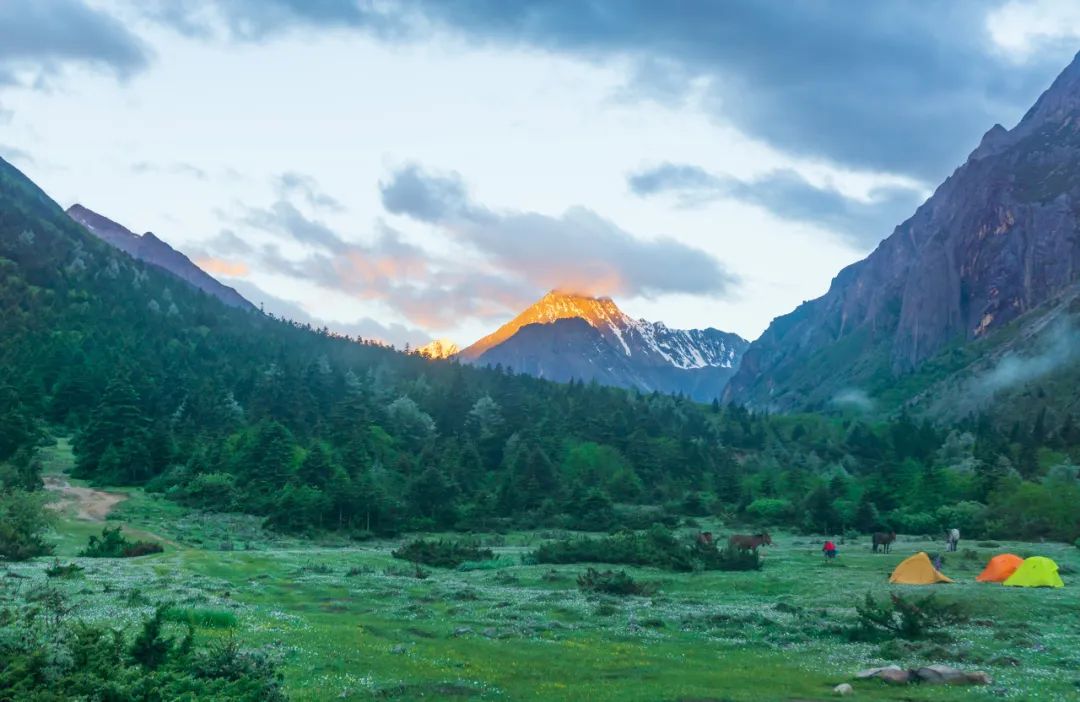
{"x": 917, "y": 570}
{"x": 1000, "y": 568}
{"x": 1036, "y": 572}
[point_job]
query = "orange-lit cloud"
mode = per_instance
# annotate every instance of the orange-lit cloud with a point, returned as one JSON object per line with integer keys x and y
{"x": 220, "y": 266}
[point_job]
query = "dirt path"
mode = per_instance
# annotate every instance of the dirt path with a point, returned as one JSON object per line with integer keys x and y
{"x": 89, "y": 504}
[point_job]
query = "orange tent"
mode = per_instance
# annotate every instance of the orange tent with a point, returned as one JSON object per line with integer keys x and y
{"x": 1000, "y": 568}
{"x": 917, "y": 570}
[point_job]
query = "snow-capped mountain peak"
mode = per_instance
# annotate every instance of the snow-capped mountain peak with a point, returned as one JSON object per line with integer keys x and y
{"x": 549, "y": 339}
{"x": 439, "y": 348}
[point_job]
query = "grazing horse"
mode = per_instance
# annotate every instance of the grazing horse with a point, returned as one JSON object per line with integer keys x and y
{"x": 704, "y": 538}
{"x": 884, "y": 540}
{"x": 750, "y": 542}
{"x": 953, "y": 538}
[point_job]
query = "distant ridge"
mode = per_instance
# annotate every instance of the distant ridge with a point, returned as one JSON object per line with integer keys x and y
{"x": 152, "y": 250}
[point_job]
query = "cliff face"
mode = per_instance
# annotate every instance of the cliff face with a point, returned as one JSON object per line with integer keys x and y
{"x": 997, "y": 239}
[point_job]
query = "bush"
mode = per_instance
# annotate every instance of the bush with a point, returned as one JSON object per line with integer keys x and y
{"x": 201, "y": 617}
{"x": 24, "y": 522}
{"x": 442, "y": 553}
{"x": 656, "y": 547}
{"x": 729, "y": 558}
{"x": 79, "y": 661}
{"x": 612, "y": 583}
{"x": 68, "y": 570}
{"x": 493, "y": 564}
{"x": 768, "y": 510}
{"x": 906, "y": 618}
{"x": 113, "y": 544}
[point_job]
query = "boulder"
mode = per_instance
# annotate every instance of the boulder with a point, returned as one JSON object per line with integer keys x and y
{"x": 843, "y": 690}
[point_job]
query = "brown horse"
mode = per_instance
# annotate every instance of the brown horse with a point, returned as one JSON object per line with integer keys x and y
{"x": 750, "y": 542}
{"x": 884, "y": 540}
{"x": 705, "y": 538}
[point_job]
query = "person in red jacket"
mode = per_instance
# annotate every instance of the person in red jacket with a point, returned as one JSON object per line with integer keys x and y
{"x": 829, "y": 549}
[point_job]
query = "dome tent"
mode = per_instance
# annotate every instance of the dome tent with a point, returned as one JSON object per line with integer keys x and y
{"x": 1000, "y": 568}
{"x": 917, "y": 570}
{"x": 1036, "y": 571}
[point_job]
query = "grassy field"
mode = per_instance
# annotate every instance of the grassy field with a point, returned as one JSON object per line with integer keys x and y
{"x": 350, "y": 622}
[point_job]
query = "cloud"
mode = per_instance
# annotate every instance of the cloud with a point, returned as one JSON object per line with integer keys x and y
{"x": 13, "y": 153}
{"x": 854, "y": 398}
{"x": 422, "y": 196}
{"x": 424, "y": 289}
{"x": 290, "y": 183}
{"x": 880, "y": 85}
{"x": 38, "y": 37}
{"x": 1060, "y": 348}
{"x": 1022, "y": 27}
{"x": 364, "y": 328}
{"x": 578, "y": 250}
{"x": 787, "y": 195}
{"x": 176, "y": 168}
{"x": 257, "y": 20}
{"x": 223, "y": 267}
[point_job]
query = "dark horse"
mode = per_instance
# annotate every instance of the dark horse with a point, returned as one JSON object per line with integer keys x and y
{"x": 884, "y": 540}
{"x": 750, "y": 542}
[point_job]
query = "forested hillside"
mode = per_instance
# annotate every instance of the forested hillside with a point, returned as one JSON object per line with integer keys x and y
{"x": 225, "y": 409}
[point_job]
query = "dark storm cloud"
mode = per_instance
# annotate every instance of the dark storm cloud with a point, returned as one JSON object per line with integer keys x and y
{"x": 39, "y": 36}
{"x": 899, "y": 86}
{"x": 578, "y": 250}
{"x": 788, "y": 195}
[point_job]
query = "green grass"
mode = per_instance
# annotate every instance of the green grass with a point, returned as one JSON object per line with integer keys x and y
{"x": 348, "y": 622}
{"x": 527, "y": 632}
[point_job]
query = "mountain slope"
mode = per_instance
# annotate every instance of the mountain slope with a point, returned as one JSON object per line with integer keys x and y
{"x": 564, "y": 336}
{"x": 154, "y": 251}
{"x": 226, "y": 410}
{"x": 998, "y": 239}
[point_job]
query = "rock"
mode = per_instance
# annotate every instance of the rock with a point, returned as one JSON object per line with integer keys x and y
{"x": 996, "y": 240}
{"x": 490, "y": 632}
{"x": 462, "y": 630}
{"x": 944, "y": 675}
{"x": 398, "y": 649}
{"x": 843, "y": 690}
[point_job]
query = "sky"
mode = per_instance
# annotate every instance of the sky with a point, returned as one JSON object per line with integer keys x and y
{"x": 419, "y": 169}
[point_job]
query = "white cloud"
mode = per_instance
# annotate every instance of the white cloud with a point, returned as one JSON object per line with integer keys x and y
{"x": 1021, "y": 27}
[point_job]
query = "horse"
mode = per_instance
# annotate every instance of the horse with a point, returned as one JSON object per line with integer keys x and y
{"x": 952, "y": 538}
{"x": 750, "y": 542}
{"x": 704, "y": 538}
{"x": 884, "y": 540}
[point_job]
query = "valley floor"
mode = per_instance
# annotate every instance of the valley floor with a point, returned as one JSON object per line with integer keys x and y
{"x": 350, "y": 622}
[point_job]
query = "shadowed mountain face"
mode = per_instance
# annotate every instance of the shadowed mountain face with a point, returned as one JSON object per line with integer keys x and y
{"x": 565, "y": 336}
{"x": 150, "y": 249}
{"x": 997, "y": 240}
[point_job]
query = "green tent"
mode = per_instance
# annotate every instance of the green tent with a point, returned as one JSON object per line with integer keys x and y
{"x": 1036, "y": 572}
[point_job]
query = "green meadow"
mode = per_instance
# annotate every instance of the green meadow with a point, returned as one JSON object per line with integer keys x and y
{"x": 348, "y": 621}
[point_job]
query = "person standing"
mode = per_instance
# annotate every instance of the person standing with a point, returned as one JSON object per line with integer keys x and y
{"x": 829, "y": 549}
